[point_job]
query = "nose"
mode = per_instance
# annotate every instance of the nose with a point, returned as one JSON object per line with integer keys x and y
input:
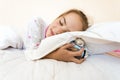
{"x": 60, "y": 29}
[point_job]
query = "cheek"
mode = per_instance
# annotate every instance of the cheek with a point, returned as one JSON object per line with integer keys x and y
{"x": 52, "y": 25}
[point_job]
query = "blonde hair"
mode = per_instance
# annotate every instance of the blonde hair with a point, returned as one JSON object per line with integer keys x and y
{"x": 81, "y": 15}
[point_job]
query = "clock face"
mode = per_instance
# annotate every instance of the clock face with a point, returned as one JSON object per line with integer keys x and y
{"x": 80, "y": 42}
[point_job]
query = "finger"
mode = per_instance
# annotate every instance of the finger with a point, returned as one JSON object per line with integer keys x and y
{"x": 78, "y": 53}
{"x": 78, "y": 61}
{"x": 66, "y": 46}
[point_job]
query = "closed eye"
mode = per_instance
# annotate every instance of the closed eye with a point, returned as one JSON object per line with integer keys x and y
{"x": 60, "y": 22}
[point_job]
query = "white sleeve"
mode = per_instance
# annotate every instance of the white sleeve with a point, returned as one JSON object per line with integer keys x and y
{"x": 34, "y": 33}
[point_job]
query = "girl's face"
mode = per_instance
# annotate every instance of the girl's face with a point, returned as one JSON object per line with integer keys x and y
{"x": 67, "y": 23}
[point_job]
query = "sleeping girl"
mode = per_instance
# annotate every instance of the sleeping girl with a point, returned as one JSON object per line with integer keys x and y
{"x": 72, "y": 20}
{"x": 69, "y": 21}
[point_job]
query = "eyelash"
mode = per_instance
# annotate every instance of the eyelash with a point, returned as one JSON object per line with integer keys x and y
{"x": 60, "y": 23}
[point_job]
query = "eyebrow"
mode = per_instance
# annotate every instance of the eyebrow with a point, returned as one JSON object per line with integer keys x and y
{"x": 64, "y": 20}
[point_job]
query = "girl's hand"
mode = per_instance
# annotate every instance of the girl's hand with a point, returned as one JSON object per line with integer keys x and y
{"x": 63, "y": 54}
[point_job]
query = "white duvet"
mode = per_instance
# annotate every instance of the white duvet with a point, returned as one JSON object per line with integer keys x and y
{"x": 15, "y": 66}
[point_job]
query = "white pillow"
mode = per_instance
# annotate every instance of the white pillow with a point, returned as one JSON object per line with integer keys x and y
{"x": 99, "y": 38}
{"x": 108, "y": 30}
{"x": 9, "y": 38}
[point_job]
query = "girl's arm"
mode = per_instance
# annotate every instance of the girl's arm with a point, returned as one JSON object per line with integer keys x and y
{"x": 63, "y": 54}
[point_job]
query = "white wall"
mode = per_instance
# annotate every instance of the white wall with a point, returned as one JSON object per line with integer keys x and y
{"x": 18, "y": 12}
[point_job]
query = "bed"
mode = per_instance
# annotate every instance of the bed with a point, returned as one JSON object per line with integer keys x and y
{"x": 15, "y": 66}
